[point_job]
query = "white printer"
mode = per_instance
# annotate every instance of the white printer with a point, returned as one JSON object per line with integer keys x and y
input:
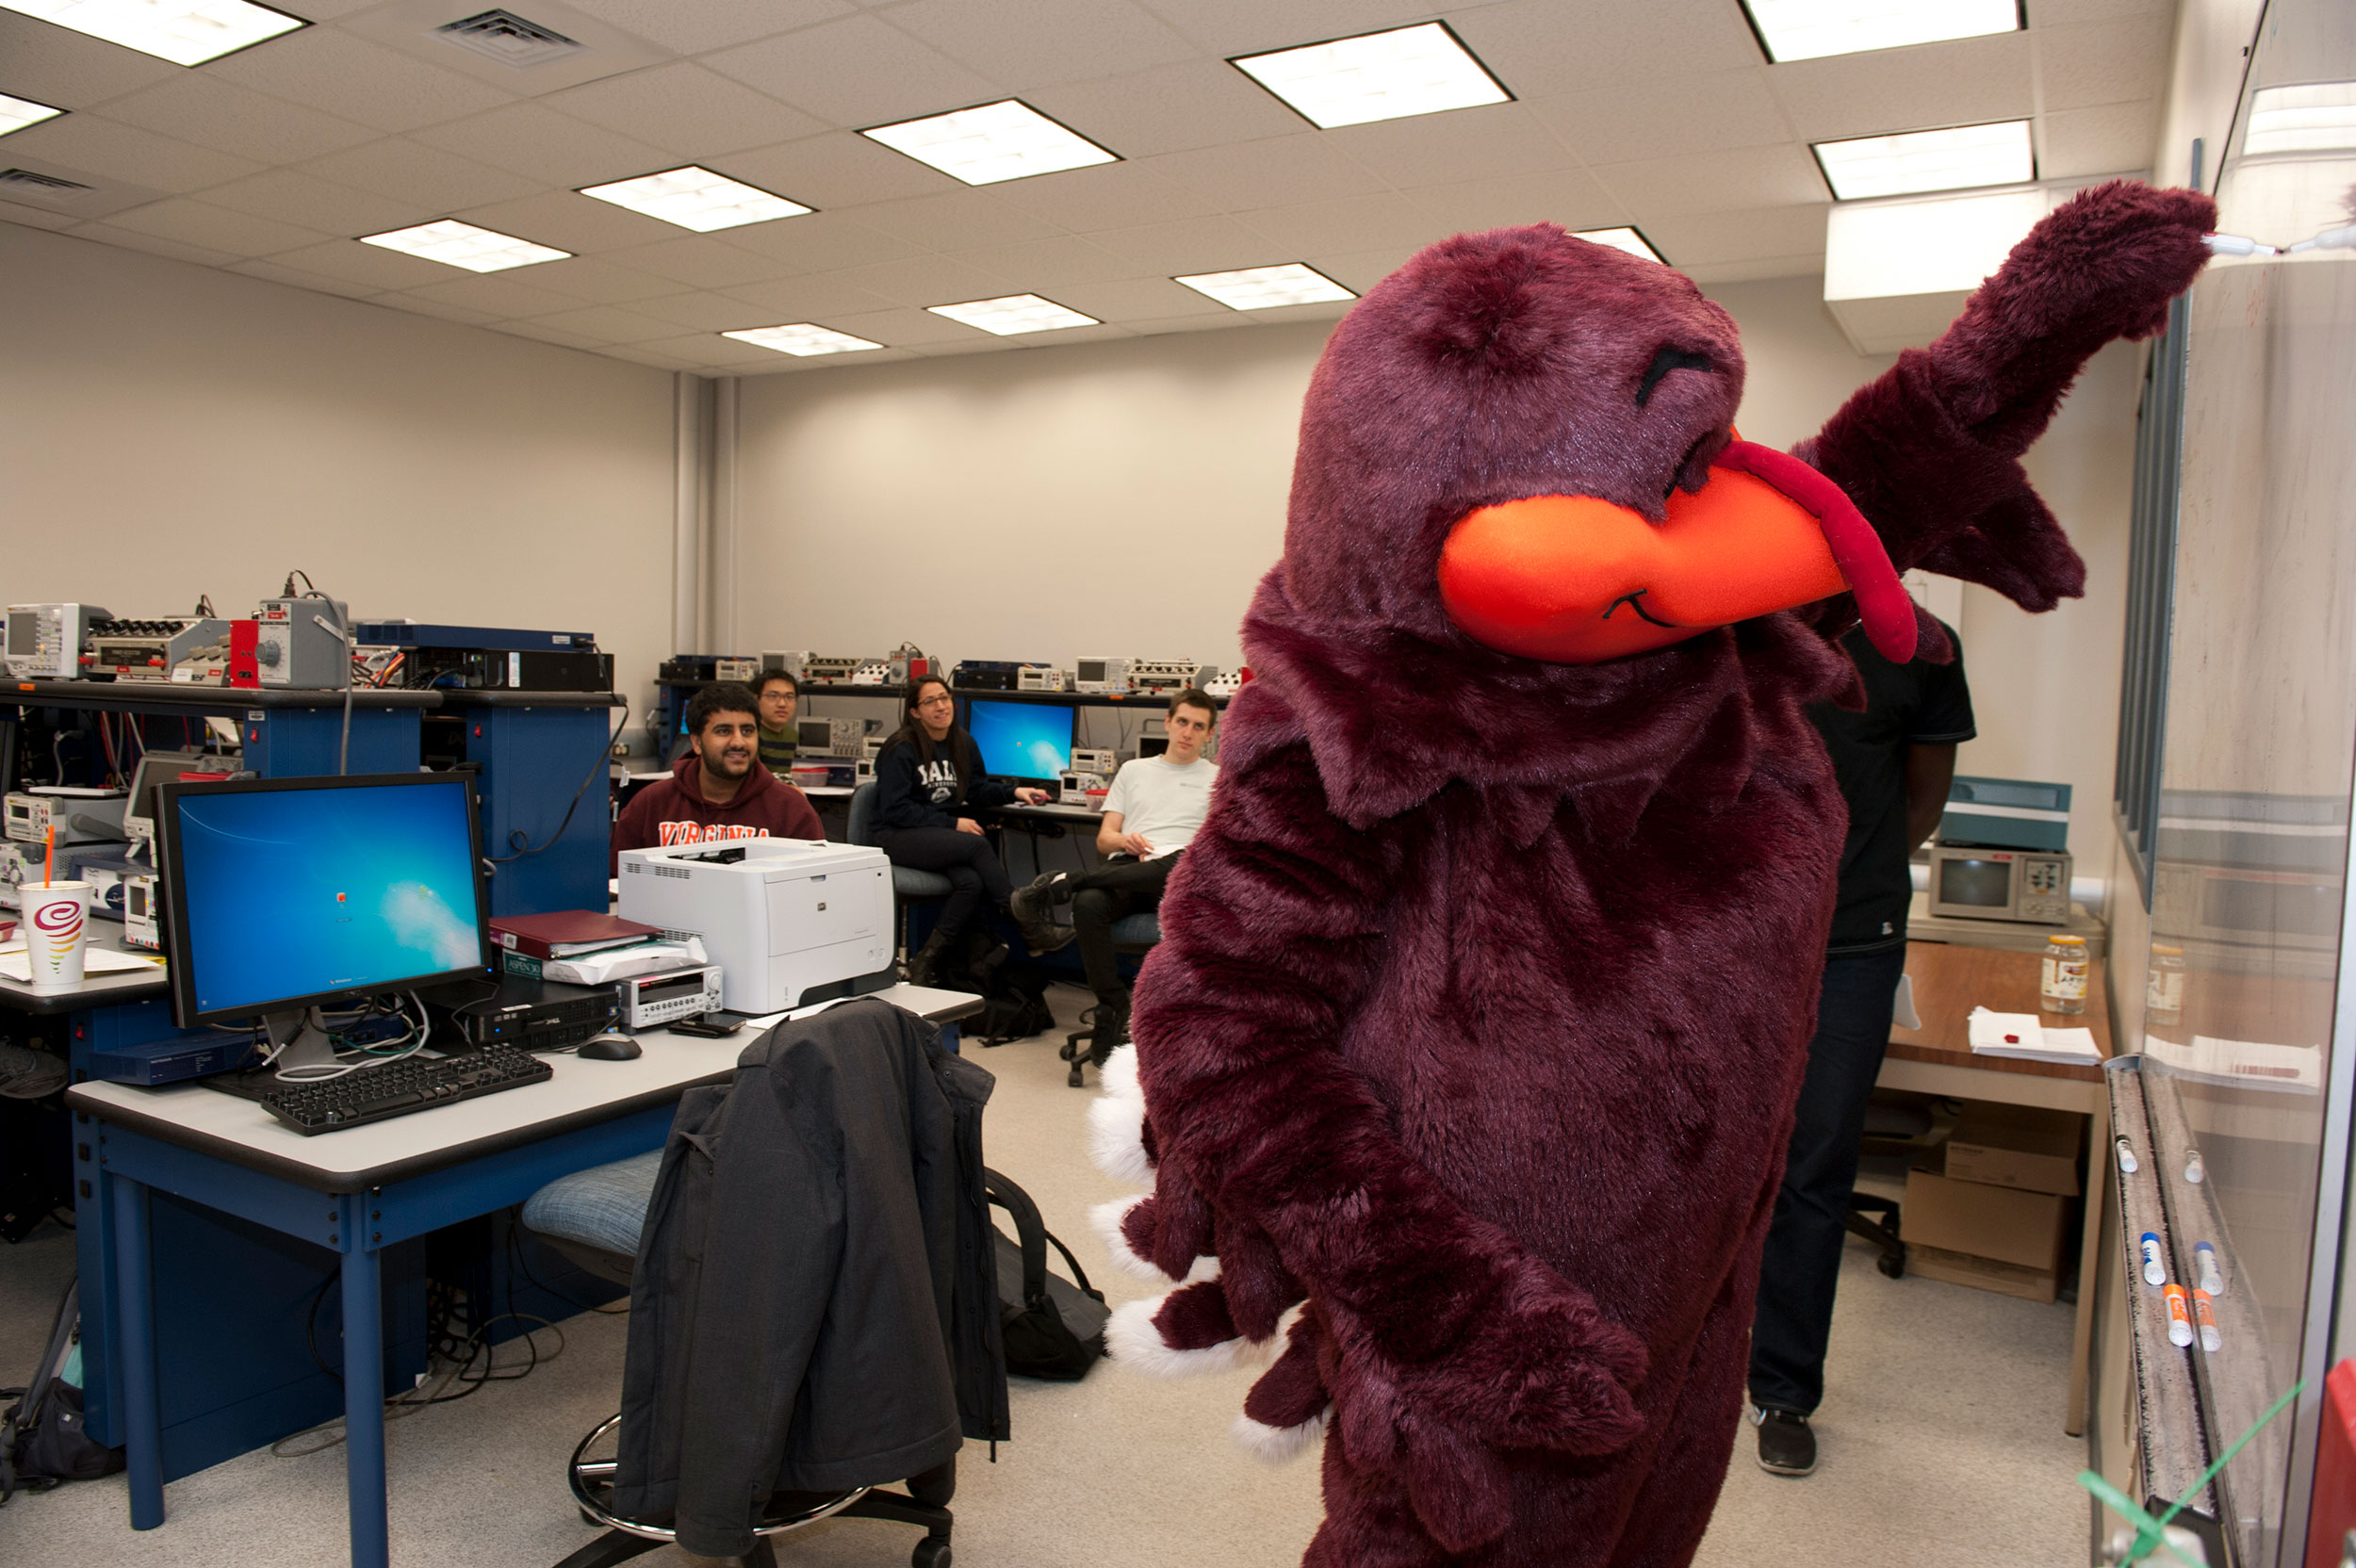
{"x": 780, "y": 917}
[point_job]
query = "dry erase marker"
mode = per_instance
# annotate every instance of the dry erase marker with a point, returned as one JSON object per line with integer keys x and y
{"x": 2204, "y": 1257}
{"x": 2154, "y": 1266}
{"x": 2179, "y": 1316}
{"x": 2210, "y": 1338}
{"x": 2126, "y": 1156}
{"x": 2193, "y": 1169}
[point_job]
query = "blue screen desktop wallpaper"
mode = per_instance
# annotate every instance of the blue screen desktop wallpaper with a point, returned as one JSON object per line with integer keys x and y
{"x": 1022, "y": 739}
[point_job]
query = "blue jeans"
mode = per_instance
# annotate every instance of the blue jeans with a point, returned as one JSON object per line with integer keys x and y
{"x": 1792, "y": 1320}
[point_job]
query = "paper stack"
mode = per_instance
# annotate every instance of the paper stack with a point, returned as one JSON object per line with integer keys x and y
{"x": 2022, "y": 1035}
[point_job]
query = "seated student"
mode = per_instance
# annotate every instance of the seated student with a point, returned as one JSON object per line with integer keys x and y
{"x": 1155, "y": 810}
{"x": 781, "y": 695}
{"x": 930, "y": 769}
{"x": 717, "y": 788}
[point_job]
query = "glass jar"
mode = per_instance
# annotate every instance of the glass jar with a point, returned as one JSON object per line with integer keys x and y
{"x": 2164, "y": 985}
{"x": 2062, "y": 987}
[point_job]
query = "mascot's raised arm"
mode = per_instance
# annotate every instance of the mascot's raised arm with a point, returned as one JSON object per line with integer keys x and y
{"x": 1470, "y": 1050}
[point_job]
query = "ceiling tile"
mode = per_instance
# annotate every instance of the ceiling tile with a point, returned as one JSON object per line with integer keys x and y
{"x": 807, "y": 299}
{"x": 1169, "y": 110}
{"x": 1632, "y": 118}
{"x": 436, "y": 308}
{"x": 318, "y": 283}
{"x": 1965, "y": 82}
{"x": 1270, "y": 172}
{"x": 428, "y": 176}
{"x": 1808, "y": 265}
{"x": 1230, "y": 27}
{"x": 359, "y": 79}
{"x": 708, "y": 311}
{"x": 194, "y": 222}
{"x": 1110, "y": 196}
{"x": 126, "y": 153}
{"x": 501, "y": 293}
{"x": 1716, "y": 182}
{"x": 1137, "y": 300}
{"x": 1345, "y": 223}
{"x": 839, "y": 169}
{"x": 1571, "y": 198}
{"x": 1214, "y": 244}
{"x": 908, "y": 328}
{"x": 231, "y": 118}
{"x": 544, "y": 333}
{"x": 1705, "y": 240}
{"x": 2103, "y": 62}
{"x": 925, "y": 281}
{"x": 1539, "y": 48}
{"x": 820, "y": 243}
{"x": 692, "y": 111}
{"x": 698, "y": 262}
{"x": 291, "y": 196}
{"x": 2113, "y": 139}
{"x": 2064, "y": 13}
{"x": 1043, "y": 42}
{"x": 570, "y": 221}
{"x": 708, "y": 351}
{"x": 611, "y": 323}
{"x": 1361, "y": 270}
{"x": 1230, "y": 322}
{"x": 551, "y": 148}
{"x": 369, "y": 264}
{"x": 154, "y": 244}
{"x": 598, "y": 280}
{"x": 638, "y": 353}
{"x": 854, "y": 72}
{"x": 1443, "y": 149}
{"x": 11, "y": 212}
{"x": 1051, "y": 263}
{"x": 73, "y": 71}
{"x": 100, "y": 196}
{"x": 953, "y": 221}
{"x": 691, "y": 29}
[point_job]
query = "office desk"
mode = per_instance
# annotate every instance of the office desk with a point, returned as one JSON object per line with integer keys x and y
{"x": 96, "y": 990}
{"x": 1949, "y": 981}
{"x": 361, "y": 1191}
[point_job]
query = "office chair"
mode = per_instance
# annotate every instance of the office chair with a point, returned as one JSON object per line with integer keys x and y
{"x": 592, "y": 1217}
{"x": 908, "y": 885}
{"x": 1897, "y": 1127}
{"x": 1131, "y": 934}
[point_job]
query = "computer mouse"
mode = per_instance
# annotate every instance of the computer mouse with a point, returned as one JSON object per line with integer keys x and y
{"x": 609, "y": 1048}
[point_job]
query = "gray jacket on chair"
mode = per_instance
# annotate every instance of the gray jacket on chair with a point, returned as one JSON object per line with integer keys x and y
{"x": 791, "y": 1315}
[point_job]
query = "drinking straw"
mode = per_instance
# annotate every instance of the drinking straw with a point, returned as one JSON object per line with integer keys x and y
{"x": 49, "y": 862}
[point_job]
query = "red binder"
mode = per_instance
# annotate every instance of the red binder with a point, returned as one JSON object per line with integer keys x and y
{"x": 564, "y": 933}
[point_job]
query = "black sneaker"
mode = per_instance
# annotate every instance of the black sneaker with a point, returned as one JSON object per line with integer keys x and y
{"x": 1786, "y": 1446}
{"x": 1030, "y": 904}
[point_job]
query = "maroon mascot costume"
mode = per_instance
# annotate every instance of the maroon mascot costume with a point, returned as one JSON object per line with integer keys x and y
{"x": 1469, "y": 1054}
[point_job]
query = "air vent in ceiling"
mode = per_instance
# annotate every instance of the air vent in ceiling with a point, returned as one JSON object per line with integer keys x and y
{"x": 25, "y": 179}
{"x": 509, "y": 39}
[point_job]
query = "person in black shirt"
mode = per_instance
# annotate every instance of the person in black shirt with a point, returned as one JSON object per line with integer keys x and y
{"x": 929, "y": 771}
{"x": 1894, "y": 761}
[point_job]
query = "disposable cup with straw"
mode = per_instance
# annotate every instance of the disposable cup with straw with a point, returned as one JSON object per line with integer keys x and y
{"x": 56, "y": 925}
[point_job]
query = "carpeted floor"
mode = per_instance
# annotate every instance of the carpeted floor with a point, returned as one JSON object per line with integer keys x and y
{"x": 1942, "y": 1432}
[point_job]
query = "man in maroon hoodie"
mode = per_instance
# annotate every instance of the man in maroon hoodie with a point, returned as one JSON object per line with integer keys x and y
{"x": 718, "y": 790}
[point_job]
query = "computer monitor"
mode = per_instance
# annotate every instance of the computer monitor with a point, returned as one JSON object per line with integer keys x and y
{"x": 1026, "y": 740}
{"x": 286, "y": 894}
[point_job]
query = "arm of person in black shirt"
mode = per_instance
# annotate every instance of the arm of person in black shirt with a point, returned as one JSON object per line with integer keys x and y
{"x": 1930, "y": 770}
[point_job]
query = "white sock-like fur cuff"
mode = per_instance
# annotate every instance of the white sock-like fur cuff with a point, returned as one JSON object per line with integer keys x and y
{"x": 1117, "y": 1139}
{"x": 1134, "y": 1341}
{"x": 1107, "y": 1218}
{"x": 1119, "y": 1075}
{"x": 1275, "y": 1444}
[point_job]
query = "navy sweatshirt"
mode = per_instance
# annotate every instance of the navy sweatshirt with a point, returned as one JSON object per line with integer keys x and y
{"x": 912, "y": 792}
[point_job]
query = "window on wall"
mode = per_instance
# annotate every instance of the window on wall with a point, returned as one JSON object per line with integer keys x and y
{"x": 2150, "y": 597}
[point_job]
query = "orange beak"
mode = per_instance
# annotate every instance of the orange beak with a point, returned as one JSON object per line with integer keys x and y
{"x": 1575, "y": 581}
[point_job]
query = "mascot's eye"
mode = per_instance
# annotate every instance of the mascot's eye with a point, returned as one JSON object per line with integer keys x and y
{"x": 1665, "y": 360}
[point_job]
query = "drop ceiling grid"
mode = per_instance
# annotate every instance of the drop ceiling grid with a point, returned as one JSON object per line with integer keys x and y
{"x": 1662, "y": 115}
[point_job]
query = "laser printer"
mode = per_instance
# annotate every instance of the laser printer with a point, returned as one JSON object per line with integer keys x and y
{"x": 781, "y": 917}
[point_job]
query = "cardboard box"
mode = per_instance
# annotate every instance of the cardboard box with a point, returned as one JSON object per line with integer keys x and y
{"x": 2017, "y": 1145}
{"x": 1989, "y": 1237}
{"x": 1962, "y": 1269}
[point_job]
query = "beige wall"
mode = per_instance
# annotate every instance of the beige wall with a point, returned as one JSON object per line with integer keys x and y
{"x": 168, "y": 430}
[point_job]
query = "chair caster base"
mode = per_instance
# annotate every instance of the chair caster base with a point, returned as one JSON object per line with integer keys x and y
{"x": 931, "y": 1552}
{"x": 1077, "y": 1077}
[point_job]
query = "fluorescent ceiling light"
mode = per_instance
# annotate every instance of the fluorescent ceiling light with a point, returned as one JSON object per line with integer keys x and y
{"x": 1953, "y": 159}
{"x": 695, "y": 199}
{"x": 802, "y": 339}
{"x": 17, "y": 113}
{"x": 1351, "y": 81}
{"x": 1623, "y": 240}
{"x": 1266, "y": 288}
{"x": 457, "y": 244}
{"x": 997, "y": 141}
{"x": 1013, "y": 314}
{"x": 1810, "y": 29}
{"x": 185, "y": 32}
{"x": 2319, "y": 117}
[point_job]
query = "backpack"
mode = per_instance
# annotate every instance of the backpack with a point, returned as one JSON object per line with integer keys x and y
{"x": 1014, "y": 1008}
{"x": 42, "y": 1441}
{"x": 1052, "y": 1327}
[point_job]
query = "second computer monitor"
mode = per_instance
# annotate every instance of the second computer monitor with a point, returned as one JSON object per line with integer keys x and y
{"x": 1025, "y": 741}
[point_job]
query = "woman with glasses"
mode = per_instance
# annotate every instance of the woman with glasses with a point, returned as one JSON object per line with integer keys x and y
{"x": 929, "y": 774}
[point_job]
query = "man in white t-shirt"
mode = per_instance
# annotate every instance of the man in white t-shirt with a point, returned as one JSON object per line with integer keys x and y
{"x": 1156, "y": 808}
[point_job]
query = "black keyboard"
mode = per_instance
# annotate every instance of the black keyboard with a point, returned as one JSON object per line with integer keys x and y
{"x": 382, "y": 1089}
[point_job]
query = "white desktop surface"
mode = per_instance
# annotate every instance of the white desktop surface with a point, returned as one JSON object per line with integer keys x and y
{"x": 95, "y": 989}
{"x": 241, "y": 1131}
